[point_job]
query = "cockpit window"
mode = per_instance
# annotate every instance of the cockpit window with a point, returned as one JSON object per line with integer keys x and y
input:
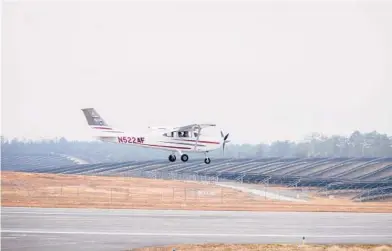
{"x": 184, "y": 134}
{"x": 168, "y": 134}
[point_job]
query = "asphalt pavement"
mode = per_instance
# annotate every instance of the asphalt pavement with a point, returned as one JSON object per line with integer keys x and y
{"x": 115, "y": 229}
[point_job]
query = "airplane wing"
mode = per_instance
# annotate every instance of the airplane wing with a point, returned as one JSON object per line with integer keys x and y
{"x": 192, "y": 127}
{"x": 197, "y": 127}
{"x": 159, "y": 128}
{"x": 181, "y": 128}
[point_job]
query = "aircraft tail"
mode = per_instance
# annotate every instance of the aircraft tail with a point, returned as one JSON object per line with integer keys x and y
{"x": 97, "y": 123}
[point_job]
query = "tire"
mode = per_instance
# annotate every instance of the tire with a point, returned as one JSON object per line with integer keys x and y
{"x": 172, "y": 158}
{"x": 207, "y": 160}
{"x": 184, "y": 157}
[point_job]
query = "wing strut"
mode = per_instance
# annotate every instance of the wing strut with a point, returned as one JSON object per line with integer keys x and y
{"x": 198, "y": 136}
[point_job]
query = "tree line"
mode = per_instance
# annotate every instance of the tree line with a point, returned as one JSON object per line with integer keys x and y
{"x": 358, "y": 144}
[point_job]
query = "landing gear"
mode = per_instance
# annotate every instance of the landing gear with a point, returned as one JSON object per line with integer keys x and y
{"x": 172, "y": 157}
{"x": 184, "y": 158}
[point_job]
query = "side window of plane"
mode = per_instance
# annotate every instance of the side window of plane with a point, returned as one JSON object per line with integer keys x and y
{"x": 186, "y": 135}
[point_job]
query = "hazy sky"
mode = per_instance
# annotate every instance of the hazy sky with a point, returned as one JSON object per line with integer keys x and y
{"x": 261, "y": 70}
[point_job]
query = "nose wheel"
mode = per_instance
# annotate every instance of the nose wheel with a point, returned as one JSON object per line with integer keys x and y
{"x": 207, "y": 160}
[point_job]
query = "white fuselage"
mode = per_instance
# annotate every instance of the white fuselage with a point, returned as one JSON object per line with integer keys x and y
{"x": 179, "y": 139}
{"x": 159, "y": 141}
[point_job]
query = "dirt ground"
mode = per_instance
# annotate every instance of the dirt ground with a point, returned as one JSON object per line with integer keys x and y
{"x": 269, "y": 247}
{"x": 78, "y": 191}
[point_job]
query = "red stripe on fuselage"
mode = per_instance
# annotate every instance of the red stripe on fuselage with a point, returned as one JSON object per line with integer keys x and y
{"x": 103, "y": 128}
{"x": 200, "y": 141}
{"x": 174, "y": 147}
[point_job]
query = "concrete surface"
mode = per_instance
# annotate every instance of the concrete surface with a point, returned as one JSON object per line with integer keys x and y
{"x": 260, "y": 191}
{"x": 98, "y": 229}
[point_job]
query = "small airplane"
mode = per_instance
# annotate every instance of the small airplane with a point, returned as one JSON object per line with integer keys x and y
{"x": 178, "y": 140}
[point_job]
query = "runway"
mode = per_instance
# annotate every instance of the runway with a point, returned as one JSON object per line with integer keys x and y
{"x": 97, "y": 229}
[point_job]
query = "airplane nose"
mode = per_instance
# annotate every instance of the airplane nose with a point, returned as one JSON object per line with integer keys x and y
{"x": 225, "y": 141}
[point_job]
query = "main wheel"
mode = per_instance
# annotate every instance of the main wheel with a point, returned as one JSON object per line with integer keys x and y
{"x": 172, "y": 157}
{"x": 184, "y": 158}
{"x": 207, "y": 160}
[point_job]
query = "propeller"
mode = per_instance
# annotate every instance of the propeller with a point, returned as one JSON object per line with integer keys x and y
{"x": 224, "y": 140}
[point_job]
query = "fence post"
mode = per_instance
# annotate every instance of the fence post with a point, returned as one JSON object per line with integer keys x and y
{"x": 131, "y": 195}
{"x": 58, "y": 199}
{"x": 28, "y": 195}
{"x": 221, "y": 195}
{"x": 265, "y": 192}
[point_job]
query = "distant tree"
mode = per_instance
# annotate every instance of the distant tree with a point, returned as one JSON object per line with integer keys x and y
{"x": 371, "y": 144}
{"x": 281, "y": 149}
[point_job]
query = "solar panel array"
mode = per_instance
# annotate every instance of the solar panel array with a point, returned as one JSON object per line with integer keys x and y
{"x": 329, "y": 174}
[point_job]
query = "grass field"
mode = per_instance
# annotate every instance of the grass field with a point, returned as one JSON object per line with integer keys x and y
{"x": 52, "y": 190}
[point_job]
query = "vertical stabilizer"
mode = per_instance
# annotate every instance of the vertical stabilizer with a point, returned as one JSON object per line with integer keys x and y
{"x": 96, "y": 122}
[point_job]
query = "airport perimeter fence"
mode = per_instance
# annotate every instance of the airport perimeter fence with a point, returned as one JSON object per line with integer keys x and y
{"x": 271, "y": 187}
{"x": 289, "y": 187}
{"x": 125, "y": 194}
{"x": 277, "y": 188}
{"x": 191, "y": 188}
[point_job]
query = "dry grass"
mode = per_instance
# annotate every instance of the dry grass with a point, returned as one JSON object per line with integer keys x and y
{"x": 268, "y": 247}
{"x": 77, "y": 191}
